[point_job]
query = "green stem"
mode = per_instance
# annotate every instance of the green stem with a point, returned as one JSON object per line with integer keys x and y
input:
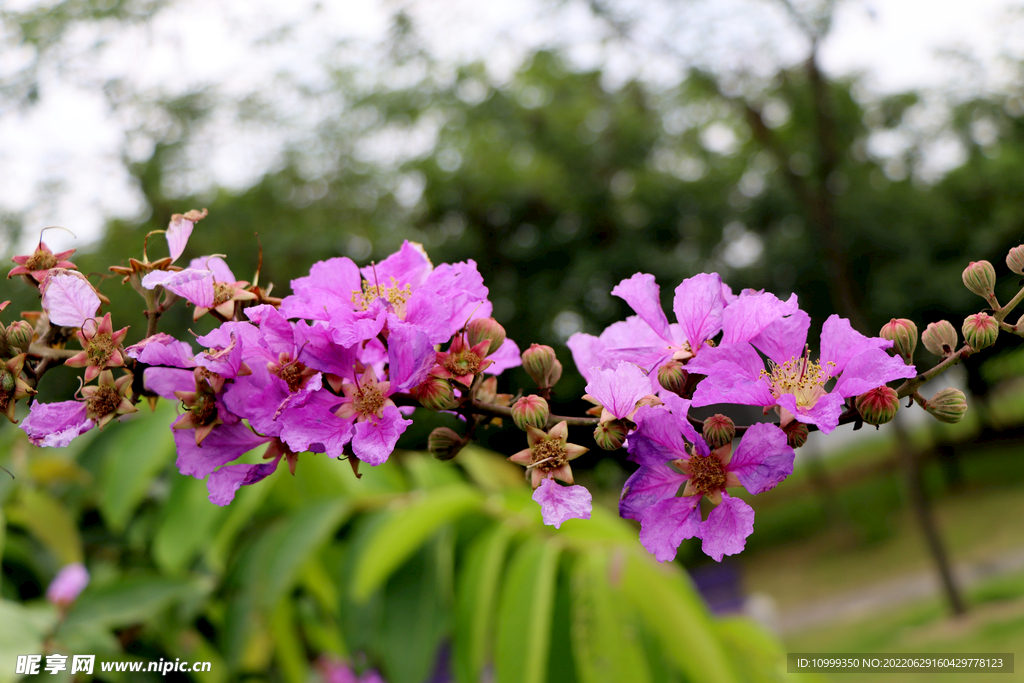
{"x": 1001, "y": 314}
{"x": 911, "y": 386}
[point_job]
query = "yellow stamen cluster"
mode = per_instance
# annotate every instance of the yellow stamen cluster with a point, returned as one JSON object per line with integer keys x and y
{"x": 392, "y": 293}
{"x": 368, "y": 400}
{"x": 41, "y": 260}
{"x": 549, "y": 455}
{"x": 802, "y": 377}
{"x": 706, "y": 474}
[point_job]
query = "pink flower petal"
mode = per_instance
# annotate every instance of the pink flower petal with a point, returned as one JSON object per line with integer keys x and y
{"x": 195, "y": 286}
{"x": 178, "y": 232}
{"x": 618, "y": 390}
{"x": 726, "y": 529}
{"x": 646, "y": 487}
{"x": 559, "y": 503}
{"x": 642, "y": 293}
{"x": 699, "y": 307}
{"x": 762, "y": 459}
{"x": 69, "y": 299}
{"x": 667, "y": 524}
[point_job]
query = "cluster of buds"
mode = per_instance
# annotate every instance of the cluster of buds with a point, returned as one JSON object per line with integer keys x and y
{"x": 542, "y": 365}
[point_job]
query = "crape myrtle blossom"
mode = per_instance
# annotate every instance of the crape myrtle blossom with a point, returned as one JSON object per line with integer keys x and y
{"x": 547, "y": 458}
{"x": 703, "y": 307}
{"x": 68, "y": 298}
{"x": 100, "y": 346}
{"x": 619, "y": 392}
{"x": 38, "y": 264}
{"x": 57, "y": 424}
{"x": 207, "y": 283}
{"x": 668, "y": 462}
{"x": 793, "y": 383}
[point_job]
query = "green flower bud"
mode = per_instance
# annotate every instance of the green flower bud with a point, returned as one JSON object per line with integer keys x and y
{"x": 940, "y": 338}
{"x": 435, "y": 394}
{"x": 980, "y": 278}
{"x": 530, "y": 411}
{"x": 903, "y": 335}
{"x": 878, "y": 406}
{"x": 949, "y": 405}
{"x": 19, "y": 336}
{"x": 718, "y": 431}
{"x": 444, "y": 443}
{"x": 485, "y": 328}
{"x": 672, "y": 376}
{"x": 1015, "y": 259}
{"x": 542, "y": 365}
{"x": 611, "y": 435}
{"x": 980, "y": 330}
{"x": 796, "y": 434}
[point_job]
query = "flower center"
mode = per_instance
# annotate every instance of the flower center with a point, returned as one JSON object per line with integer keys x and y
{"x": 368, "y": 400}
{"x": 802, "y": 377}
{"x": 549, "y": 455}
{"x": 41, "y": 260}
{"x": 292, "y": 375}
{"x": 222, "y": 293}
{"x": 204, "y": 411}
{"x": 706, "y": 473}
{"x": 463, "y": 363}
{"x": 392, "y": 293}
{"x": 104, "y": 401}
{"x": 100, "y": 350}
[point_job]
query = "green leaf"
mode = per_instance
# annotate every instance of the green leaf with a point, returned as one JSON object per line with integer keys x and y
{"x": 129, "y": 601}
{"x": 288, "y": 649}
{"x": 489, "y": 470}
{"x": 405, "y": 530}
{"x": 476, "y": 597}
{"x": 188, "y": 524}
{"x": 23, "y": 632}
{"x": 524, "y": 615}
{"x": 606, "y": 639}
{"x": 305, "y": 531}
{"x": 133, "y": 455}
{"x": 674, "y": 613}
{"x": 50, "y": 522}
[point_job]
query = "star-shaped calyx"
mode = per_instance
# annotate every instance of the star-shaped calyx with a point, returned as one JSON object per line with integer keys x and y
{"x": 37, "y": 264}
{"x": 12, "y": 387}
{"x": 548, "y": 454}
{"x": 101, "y": 348}
{"x": 107, "y": 399}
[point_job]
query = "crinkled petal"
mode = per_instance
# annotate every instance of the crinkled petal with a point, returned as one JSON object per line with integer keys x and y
{"x": 824, "y": 413}
{"x": 277, "y": 333}
{"x": 507, "y": 356}
{"x": 350, "y": 328}
{"x": 643, "y": 295}
{"x": 870, "y": 369}
{"x": 374, "y": 440}
{"x": 316, "y": 427}
{"x": 728, "y": 383}
{"x": 225, "y": 482}
{"x": 680, "y": 407}
{"x": 432, "y": 313}
{"x": 618, "y": 390}
{"x": 559, "y": 503}
{"x": 165, "y": 381}
{"x": 69, "y": 300}
{"x": 647, "y": 486}
{"x": 224, "y": 444}
{"x": 762, "y": 459}
{"x": 587, "y": 352}
{"x": 195, "y": 286}
{"x": 411, "y": 356}
{"x": 668, "y": 523}
{"x": 741, "y": 355}
{"x": 178, "y": 232}
{"x": 162, "y": 349}
{"x": 726, "y": 529}
{"x": 748, "y": 316}
{"x": 840, "y": 343}
{"x": 785, "y": 338}
{"x": 699, "y": 307}
{"x": 657, "y": 439}
{"x": 328, "y": 287}
{"x": 55, "y": 425}
{"x": 318, "y": 350}
{"x": 216, "y": 265}
{"x": 409, "y": 266}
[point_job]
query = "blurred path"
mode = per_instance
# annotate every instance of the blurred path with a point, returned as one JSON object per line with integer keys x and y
{"x": 886, "y": 594}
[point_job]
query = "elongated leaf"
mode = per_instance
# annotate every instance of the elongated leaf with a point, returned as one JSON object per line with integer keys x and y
{"x": 476, "y": 597}
{"x": 288, "y": 648}
{"x": 50, "y": 522}
{"x": 22, "y": 633}
{"x": 405, "y": 530}
{"x": 674, "y": 613}
{"x": 305, "y": 531}
{"x": 134, "y": 453}
{"x": 489, "y": 470}
{"x": 524, "y": 615}
{"x": 605, "y": 634}
{"x": 128, "y": 602}
{"x": 188, "y": 525}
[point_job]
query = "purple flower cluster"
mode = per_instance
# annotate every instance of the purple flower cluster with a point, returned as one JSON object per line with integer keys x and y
{"x": 622, "y": 366}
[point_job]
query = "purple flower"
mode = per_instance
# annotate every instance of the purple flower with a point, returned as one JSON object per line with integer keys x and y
{"x": 559, "y": 503}
{"x": 618, "y": 391}
{"x": 334, "y": 671}
{"x": 55, "y": 425}
{"x": 70, "y": 581}
{"x": 760, "y": 462}
{"x": 794, "y": 383}
{"x": 162, "y": 349}
{"x": 68, "y": 298}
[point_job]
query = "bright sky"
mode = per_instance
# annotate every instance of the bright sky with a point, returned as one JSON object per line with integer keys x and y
{"x": 61, "y": 163}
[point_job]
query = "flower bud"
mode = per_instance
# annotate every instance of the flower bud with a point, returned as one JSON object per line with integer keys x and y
{"x": 487, "y": 391}
{"x": 444, "y": 443}
{"x": 485, "y": 328}
{"x": 69, "y": 582}
{"x": 435, "y": 394}
{"x": 530, "y": 411}
{"x": 672, "y": 376}
{"x": 542, "y": 365}
{"x": 940, "y": 338}
{"x": 980, "y": 330}
{"x": 878, "y": 405}
{"x": 611, "y": 435}
{"x": 949, "y": 405}
{"x": 796, "y": 434}
{"x": 903, "y": 335}
{"x": 718, "y": 431}
{"x": 980, "y": 278}
{"x": 19, "y": 336}
{"x": 1015, "y": 259}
